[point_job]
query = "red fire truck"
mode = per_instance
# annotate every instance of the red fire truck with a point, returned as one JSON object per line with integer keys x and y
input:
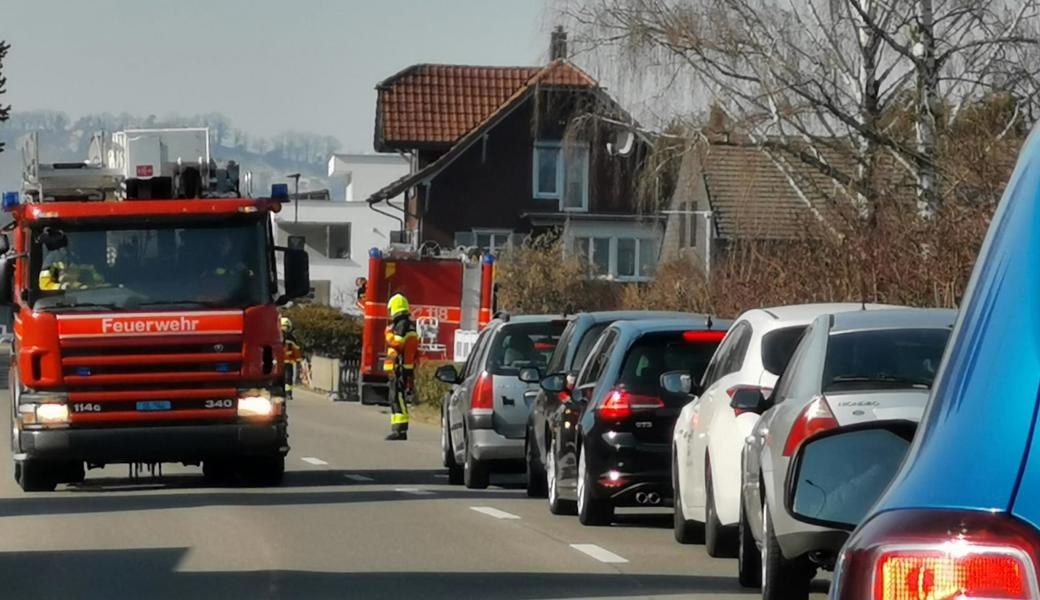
{"x": 145, "y": 294}
{"x": 448, "y": 292}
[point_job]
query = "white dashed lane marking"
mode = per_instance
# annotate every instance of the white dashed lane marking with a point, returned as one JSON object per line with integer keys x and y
{"x": 601, "y": 554}
{"x": 413, "y": 491}
{"x": 494, "y": 512}
{"x": 356, "y": 477}
{"x": 313, "y": 461}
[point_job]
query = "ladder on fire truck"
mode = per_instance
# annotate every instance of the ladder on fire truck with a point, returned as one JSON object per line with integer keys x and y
{"x": 132, "y": 164}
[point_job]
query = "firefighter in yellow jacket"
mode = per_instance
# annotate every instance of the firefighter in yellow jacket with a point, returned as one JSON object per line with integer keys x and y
{"x": 402, "y": 350}
{"x": 293, "y": 355}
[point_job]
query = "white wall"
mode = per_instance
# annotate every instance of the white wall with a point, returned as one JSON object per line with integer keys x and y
{"x": 365, "y": 174}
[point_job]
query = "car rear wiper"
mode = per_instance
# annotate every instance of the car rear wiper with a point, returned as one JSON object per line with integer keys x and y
{"x": 881, "y": 378}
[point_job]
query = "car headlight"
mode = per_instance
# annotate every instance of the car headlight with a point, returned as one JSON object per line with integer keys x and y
{"x": 258, "y": 403}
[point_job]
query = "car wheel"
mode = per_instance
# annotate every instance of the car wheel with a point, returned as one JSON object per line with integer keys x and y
{"x": 475, "y": 474}
{"x": 557, "y": 505}
{"x": 217, "y": 471}
{"x": 34, "y": 476}
{"x": 454, "y": 468}
{"x": 686, "y": 531}
{"x": 535, "y": 471}
{"x": 749, "y": 558}
{"x": 591, "y": 510}
{"x": 782, "y": 579}
{"x": 719, "y": 541}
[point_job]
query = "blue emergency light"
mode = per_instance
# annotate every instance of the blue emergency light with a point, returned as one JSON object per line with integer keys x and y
{"x": 10, "y": 201}
{"x": 280, "y": 191}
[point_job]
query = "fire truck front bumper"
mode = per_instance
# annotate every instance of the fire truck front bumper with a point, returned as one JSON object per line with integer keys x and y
{"x": 175, "y": 443}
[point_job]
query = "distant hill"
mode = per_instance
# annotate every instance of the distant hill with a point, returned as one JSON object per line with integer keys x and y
{"x": 64, "y": 139}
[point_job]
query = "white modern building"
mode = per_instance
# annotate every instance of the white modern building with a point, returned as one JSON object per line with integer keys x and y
{"x": 338, "y": 232}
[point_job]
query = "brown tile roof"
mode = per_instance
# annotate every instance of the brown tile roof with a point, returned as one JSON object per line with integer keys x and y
{"x": 751, "y": 197}
{"x": 438, "y": 104}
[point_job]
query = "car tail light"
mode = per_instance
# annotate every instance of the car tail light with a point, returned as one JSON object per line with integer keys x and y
{"x": 483, "y": 394}
{"x": 694, "y": 337}
{"x": 939, "y": 554}
{"x": 620, "y": 404}
{"x": 733, "y": 390}
{"x": 813, "y": 419}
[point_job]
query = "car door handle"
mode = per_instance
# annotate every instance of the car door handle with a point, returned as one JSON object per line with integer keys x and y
{"x": 763, "y": 432}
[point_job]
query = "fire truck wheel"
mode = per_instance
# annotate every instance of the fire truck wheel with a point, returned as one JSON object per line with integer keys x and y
{"x": 265, "y": 470}
{"x": 33, "y": 476}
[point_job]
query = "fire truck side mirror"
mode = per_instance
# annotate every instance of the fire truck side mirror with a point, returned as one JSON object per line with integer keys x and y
{"x": 7, "y": 280}
{"x": 5, "y": 243}
{"x": 296, "y": 273}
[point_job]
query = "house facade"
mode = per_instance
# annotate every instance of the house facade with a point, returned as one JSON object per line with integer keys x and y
{"x": 338, "y": 233}
{"x": 501, "y": 153}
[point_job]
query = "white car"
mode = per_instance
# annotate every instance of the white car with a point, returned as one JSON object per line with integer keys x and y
{"x": 709, "y": 434}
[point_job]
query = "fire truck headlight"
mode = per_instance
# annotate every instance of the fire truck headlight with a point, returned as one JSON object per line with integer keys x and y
{"x": 52, "y": 414}
{"x": 256, "y": 403}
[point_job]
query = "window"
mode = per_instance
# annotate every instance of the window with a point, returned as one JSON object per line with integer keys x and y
{"x": 561, "y": 173}
{"x": 624, "y": 258}
{"x": 790, "y": 375}
{"x": 522, "y": 345}
{"x": 493, "y": 241}
{"x": 778, "y": 346}
{"x": 330, "y": 241}
{"x": 597, "y": 359}
{"x": 883, "y": 359}
{"x": 656, "y": 353}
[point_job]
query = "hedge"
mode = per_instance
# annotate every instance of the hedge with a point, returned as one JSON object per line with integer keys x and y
{"x": 429, "y": 391}
{"x": 324, "y": 330}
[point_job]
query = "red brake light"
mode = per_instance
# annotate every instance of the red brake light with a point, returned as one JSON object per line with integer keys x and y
{"x": 813, "y": 419}
{"x": 483, "y": 395}
{"x": 694, "y": 337}
{"x": 955, "y": 572}
{"x": 939, "y": 555}
{"x": 620, "y": 404}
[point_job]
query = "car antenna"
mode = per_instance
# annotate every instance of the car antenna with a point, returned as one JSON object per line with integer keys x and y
{"x": 708, "y": 324}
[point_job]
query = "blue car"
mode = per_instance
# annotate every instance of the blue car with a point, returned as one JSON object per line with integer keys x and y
{"x": 957, "y": 511}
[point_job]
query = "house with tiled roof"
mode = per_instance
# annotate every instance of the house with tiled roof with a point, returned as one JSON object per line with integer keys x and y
{"x": 728, "y": 191}
{"x": 496, "y": 156}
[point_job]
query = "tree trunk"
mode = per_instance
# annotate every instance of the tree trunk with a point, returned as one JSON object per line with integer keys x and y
{"x": 927, "y": 106}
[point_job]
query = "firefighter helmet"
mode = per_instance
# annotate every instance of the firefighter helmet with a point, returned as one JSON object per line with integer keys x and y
{"x": 286, "y": 324}
{"x": 397, "y": 305}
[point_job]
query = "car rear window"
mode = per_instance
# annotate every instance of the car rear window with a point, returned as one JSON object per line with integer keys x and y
{"x": 886, "y": 358}
{"x": 523, "y": 345}
{"x": 656, "y": 353}
{"x": 778, "y": 346}
{"x": 588, "y": 340}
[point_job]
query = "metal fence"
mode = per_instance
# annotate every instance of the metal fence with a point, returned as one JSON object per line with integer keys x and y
{"x": 349, "y": 379}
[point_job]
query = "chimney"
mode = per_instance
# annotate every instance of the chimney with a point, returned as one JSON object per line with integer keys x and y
{"x": 558, "y": 44}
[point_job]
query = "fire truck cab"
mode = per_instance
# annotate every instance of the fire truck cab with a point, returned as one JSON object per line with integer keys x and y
{"x": 144, "y": 292}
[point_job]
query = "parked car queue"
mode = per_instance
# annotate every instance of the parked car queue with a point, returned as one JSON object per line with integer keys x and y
{"x": 621, "y": 409}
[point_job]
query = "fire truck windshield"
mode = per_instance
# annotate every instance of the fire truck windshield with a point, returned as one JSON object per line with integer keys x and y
{"x": 158, "y": 265}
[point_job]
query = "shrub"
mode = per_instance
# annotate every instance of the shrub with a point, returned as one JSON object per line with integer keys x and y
{"x": 539, "y": 278}
{"x": 429, "y": 391}
{"x": 325, "y": 331}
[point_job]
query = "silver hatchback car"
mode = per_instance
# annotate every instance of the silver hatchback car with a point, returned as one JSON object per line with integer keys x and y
{"x": 848, "y": 368}
{"x": 484, "y": 418}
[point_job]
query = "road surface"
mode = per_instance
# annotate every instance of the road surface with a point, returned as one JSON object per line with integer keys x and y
{"x": 357, "y": 517}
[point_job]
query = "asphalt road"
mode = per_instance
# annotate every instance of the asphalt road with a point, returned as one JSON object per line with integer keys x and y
{"x": 357, "y": 517}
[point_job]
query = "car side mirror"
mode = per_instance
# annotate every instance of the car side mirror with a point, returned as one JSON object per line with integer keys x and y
{"x": 530, "y": 375}
{"x": 837, "y": 476}
{"x": 555, "y": 383}
{"x": 296, "y": 274}
{"x": 680, "y": 382}
{"x": 749, "y": 399}
{"x": 446, "y": 374}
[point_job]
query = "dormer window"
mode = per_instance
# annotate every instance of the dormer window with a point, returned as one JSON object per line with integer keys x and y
{"x": 561, "y": 173}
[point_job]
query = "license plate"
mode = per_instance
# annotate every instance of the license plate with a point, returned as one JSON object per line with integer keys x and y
{"x": 154, "y": 405}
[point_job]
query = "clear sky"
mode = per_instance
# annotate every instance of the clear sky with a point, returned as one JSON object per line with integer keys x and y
{"x": 271, "y": 66}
